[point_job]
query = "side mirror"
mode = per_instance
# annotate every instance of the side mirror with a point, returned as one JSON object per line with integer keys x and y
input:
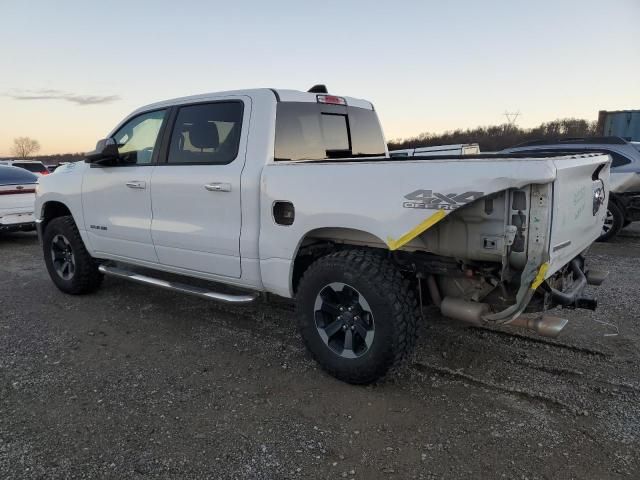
{"x": 106, "y": 150}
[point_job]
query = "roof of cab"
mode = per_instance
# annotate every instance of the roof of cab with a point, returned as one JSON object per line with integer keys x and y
{"x": 281, "y": 95}
{"x": 298, "y": 96}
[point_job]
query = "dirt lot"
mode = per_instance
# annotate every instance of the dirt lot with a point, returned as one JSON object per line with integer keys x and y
{"x": 132, "y": 382}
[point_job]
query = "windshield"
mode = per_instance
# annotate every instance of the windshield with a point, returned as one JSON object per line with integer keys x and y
{"x": 314, "y": 131}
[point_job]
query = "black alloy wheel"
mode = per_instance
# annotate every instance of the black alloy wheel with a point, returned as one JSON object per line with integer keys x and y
{"x": 344, "y": 320}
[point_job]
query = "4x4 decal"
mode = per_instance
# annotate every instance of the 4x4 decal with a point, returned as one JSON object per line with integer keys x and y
{"x": 428, "y": 199}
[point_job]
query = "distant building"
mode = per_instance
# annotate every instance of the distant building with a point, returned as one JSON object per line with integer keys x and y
{"x": 620, "y": 123}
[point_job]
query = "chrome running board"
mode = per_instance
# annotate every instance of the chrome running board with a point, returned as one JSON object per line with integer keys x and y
{"x": 177, "y": 287}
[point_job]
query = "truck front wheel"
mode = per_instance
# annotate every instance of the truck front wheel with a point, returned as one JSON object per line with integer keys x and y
{"x": 357, "y": 314}
{"x": 70, "y": 266}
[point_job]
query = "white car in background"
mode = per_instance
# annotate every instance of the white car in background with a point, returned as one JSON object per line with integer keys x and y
{"x": 34, "y": 166}
{"x": 458, "y": 149}
{"x": 17, "y": 199}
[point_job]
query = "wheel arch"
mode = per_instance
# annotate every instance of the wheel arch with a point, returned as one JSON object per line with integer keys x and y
{"x": 319, "y": 242}
{"x": 53, "y": 209}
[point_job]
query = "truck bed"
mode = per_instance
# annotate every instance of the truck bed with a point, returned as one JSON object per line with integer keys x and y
{"x": 381, "y": 200}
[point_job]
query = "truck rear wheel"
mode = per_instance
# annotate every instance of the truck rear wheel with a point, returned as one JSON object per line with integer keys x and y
{"x": 357, "y": 315}
{"x": 70, "y": 266}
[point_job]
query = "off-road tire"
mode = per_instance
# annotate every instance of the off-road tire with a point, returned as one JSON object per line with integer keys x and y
{"x": 618, "y": 222}
{"x": 86, "y": 277}
{"x": 393, "y": 305}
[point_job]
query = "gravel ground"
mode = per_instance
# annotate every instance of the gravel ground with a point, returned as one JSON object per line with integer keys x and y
{"x": 133, "y": 382}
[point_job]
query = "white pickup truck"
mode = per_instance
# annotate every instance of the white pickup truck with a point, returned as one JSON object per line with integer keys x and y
{"x": 293, "y": 193}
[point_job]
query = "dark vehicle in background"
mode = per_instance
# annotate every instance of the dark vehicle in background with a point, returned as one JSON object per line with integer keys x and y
{"x": 624, "y": 194}
{"x": 17, "y": 199}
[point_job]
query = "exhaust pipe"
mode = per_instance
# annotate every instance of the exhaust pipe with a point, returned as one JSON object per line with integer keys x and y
{"x": 472, "y": 312}
{"x": 547, "y": 325}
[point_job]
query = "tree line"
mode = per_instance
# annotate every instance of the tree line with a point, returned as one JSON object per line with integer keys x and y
{"x": 497, "y": 137}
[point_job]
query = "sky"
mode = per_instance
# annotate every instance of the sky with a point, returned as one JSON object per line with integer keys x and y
{"x": 71, "y": 70}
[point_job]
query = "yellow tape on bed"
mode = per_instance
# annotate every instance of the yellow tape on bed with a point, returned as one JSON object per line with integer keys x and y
{"x": 414, "y": 232}
{"x": 540, "y": 276}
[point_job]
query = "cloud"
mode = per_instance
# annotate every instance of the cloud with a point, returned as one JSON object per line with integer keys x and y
{"x": 49, "y": 94}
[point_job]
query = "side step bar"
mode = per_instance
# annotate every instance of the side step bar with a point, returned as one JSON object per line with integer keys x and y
{"x": 177, "y": 287}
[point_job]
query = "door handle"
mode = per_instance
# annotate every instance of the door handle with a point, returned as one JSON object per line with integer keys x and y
{"x": 218, "y": 187}
{"x": 136, "y": 184}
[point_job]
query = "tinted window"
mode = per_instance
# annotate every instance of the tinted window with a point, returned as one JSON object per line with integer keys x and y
{"x": 618, "y": 160}
{"x": 366, "y": 136}
{"x": 32, "y": 167}
{"x": 311, "y": 131}
{"x": 137, "y": 139}
{"x": 335, "y": 133}
{"x": 14, "y": 175}
{"x": 208, "y": 133}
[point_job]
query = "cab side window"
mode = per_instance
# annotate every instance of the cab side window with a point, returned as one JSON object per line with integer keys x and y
{"x": 206, "y": 134}
{"x": 138, "y": 138}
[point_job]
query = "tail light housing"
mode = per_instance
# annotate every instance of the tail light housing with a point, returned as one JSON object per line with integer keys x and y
{"x": 331, "y": 100}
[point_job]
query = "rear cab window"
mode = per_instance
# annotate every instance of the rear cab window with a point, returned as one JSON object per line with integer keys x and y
{"x": 314, "y": 131}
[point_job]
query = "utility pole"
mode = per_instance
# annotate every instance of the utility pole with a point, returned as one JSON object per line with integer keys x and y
{"x": 512, "y": 117}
